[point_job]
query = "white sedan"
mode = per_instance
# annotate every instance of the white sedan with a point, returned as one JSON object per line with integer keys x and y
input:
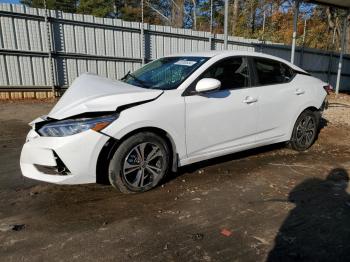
{"x": 172, "y": 112}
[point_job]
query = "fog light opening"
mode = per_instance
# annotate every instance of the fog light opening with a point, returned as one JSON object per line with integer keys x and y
{"x": 59, "y": 170}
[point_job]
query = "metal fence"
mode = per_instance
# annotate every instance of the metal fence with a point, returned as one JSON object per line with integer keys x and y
{"x": 73, "y": 44}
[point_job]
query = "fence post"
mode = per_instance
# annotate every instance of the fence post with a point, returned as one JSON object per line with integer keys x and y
{"x": 142, "y": 35}
{"x": 301, "y": 62}
{"x": 211, "y": 26}
{"x": 226, "y": 25}
{"x": 49, "y": 50}
{"x": 329, "y": 67}
{"x": 295, "y": 25}
{"x": 343, "y": 41}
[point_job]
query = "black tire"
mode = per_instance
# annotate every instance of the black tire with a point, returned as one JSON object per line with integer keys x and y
{"x": 305, "y": 130}
{"x": 139, "y": 177}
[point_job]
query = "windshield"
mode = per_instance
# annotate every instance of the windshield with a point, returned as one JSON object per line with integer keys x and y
{"x": 165, "y": 73}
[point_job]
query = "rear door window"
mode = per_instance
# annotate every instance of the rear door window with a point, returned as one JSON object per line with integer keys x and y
{"x": 271, "y": 72}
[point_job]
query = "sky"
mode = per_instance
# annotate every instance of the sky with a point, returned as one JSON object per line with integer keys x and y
{"x": 10, "y": 1}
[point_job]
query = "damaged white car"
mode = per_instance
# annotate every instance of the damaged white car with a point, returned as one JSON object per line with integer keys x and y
{"x": 172, "y": 112}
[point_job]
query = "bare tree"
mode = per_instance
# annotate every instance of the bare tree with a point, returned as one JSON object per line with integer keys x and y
{"x": 333, "y": 24}
{"x": 234, "y": 17}
{"x": 194, "y": 11}
{"x": 177, "y": 13}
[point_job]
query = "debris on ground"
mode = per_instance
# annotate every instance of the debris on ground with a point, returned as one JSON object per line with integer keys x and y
{"x": 197, "y": 236}
{"x": 262, "y": 240}
{"x": 225, "y": 232}
{"x": 14, "y": 227}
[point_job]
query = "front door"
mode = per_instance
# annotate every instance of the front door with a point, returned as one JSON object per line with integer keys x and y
{"x": 222, "y": 120}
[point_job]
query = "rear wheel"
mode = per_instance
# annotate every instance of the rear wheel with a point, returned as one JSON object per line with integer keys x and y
{"x": 305, "y": 130}
{"x": 139, "y": 163}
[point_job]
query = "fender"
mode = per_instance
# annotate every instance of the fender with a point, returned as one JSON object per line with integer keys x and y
{"x": 175, "y": 138}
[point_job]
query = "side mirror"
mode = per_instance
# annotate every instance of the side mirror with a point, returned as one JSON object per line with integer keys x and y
{"x": 207, "y": 84}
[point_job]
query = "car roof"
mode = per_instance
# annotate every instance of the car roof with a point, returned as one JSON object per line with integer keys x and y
{"x": 228, "y": 53}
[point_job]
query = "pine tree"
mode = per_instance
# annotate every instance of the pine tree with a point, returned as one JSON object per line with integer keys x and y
{"x": 69, "y": 6}
{"x": 101, "y": 8}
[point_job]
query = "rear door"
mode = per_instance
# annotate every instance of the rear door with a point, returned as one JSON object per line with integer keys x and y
{"x": 223, "y": 119}
{"x": 277, "y": 98}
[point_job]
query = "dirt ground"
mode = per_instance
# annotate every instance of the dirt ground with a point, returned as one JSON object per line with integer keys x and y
{"x": 266, "y": 204}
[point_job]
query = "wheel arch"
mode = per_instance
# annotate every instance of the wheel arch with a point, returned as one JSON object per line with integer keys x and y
{"x": 111, "y": 145}
{"x": 312, "y": 108}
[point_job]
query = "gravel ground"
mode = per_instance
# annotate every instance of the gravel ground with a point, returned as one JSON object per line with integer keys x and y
{"x": 269, "y": 204}
{"x": 338, "y": 112}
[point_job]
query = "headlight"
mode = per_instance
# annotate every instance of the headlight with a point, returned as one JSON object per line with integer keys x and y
{"x": 74, "y": 126}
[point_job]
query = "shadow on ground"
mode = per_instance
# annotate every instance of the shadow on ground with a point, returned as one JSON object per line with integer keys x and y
{"x": 318, "y": 228}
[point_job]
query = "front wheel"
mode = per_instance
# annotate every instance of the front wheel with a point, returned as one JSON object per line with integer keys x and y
{"x": 139, "y": 163}
{"x": 305, "y": 130}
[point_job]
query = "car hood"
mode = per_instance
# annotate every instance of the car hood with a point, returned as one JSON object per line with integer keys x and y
{"x": 92, "y": 93}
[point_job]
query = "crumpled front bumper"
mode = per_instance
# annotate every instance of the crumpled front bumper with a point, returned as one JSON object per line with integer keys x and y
{"x": 42, "y": 158}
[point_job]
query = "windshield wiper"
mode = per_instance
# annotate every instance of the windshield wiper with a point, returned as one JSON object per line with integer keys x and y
{"x": 135, "y": 78}
{"x": 127, "y": 74}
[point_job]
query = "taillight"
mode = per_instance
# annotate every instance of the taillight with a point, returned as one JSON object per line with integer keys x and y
{"x": 329, "y": 88}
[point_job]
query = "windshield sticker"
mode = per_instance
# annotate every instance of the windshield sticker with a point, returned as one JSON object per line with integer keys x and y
{"x": 185, "y": 63}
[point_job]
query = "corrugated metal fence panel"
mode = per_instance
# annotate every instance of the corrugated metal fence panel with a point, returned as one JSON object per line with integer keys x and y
{"x": 280, "y": 52}
{"x": 112, "y": 47}
{"x": 3, "y": 71}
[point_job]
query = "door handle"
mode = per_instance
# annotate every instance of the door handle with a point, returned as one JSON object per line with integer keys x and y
{"x": 250, "y": 100}
{"x": 299, "y": 91}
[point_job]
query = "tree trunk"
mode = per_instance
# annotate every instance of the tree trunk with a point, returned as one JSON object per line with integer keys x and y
{"x": 253, "y": 20}
{"x": 177, "y": 13}
{"x": 194, "y": 11}
{"x": 252, "y": 15}
{"x": 234, "y": 19}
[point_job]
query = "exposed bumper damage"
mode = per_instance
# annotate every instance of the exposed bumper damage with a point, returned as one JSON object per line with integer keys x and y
{"x": 72, "y": 159}
{"x": 324, "y": 104}
{"x": 62, "y": 160}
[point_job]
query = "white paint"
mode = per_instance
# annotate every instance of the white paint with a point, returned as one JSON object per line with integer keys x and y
{"x": 200, "y": 126}
{"x": 207, "y": 84}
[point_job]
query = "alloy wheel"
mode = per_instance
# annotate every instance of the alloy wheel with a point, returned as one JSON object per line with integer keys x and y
{"x": 143, "y": 165}
{"x": 306, "y": 131}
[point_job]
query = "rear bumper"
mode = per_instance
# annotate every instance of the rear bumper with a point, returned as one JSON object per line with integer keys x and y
{"x": 42, "y": 158}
